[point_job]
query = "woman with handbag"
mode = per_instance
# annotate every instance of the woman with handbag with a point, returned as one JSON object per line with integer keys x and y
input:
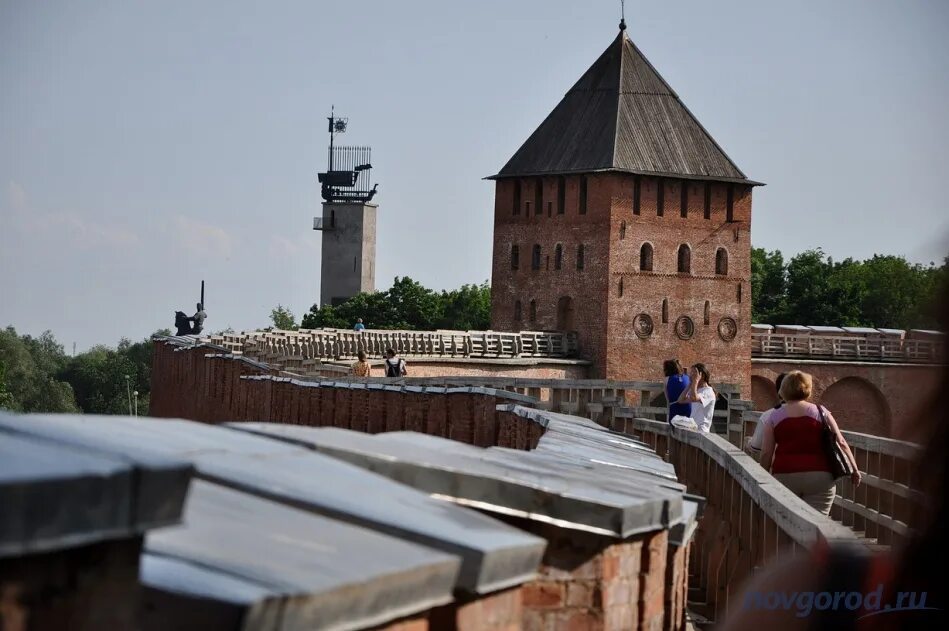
{"x": 803, "y": 447}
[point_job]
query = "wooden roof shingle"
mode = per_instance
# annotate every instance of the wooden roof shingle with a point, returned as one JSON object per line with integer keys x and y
{"x": 622, "y": 116}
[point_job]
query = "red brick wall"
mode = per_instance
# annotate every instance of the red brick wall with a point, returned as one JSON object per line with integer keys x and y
{"x": 86, "y": 588}
{"x": 592, "y": 582}
{"x": 539, "y": 370}
{"x": 189, "y": 384}
{"x": 880, "y": 399}
{"x": 603, "y": 318}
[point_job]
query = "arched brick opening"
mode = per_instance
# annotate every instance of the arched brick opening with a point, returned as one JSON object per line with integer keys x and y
{"x": 763, "y": 394}
{"x": 858, "y": 406}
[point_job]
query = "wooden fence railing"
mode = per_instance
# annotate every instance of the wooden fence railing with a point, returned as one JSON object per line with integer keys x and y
{"x": 749, "y": 517}
{"x": 338, "y": 344}
{"x": 844, "y": 348}
{"x": 886, "y": 503}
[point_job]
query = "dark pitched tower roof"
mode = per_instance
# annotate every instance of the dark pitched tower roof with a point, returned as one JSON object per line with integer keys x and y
{"x": 622, "y": 116}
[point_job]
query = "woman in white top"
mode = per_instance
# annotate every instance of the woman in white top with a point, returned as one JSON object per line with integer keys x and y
{"x": 701, "y": 396}
{"x": 753, "y": 444}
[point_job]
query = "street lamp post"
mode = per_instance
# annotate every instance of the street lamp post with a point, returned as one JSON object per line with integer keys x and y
{"x": 128, "y": 389}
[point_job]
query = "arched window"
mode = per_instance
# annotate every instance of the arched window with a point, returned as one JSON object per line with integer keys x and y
{"x": 721, "y": 262}
{"x": 533, "y": 308}
{"x": 739, "y": 292}
{"x": 539, "y": 197}
{"x": 665, "y": 310}
{"x": 517, "y": 310}
{"x": 516, "y": 202}
{"x": 580, "y": 256}
{"x": 620, "y": 287}
{"x": 645, "y": 257}
{"x": 558, "y": 256}
{"x": 515, "y": 257}
{"x": 708, "y": 313}
{"x": 535, "y": 258}
{"x": 622, "y": 230}
{"x": 685, "y": 259}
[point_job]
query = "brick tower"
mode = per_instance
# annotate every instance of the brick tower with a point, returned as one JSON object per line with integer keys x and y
{"x": 621, "y": 218}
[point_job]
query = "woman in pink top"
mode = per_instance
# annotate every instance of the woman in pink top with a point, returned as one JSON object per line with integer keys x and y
{"x": 793, "y": 449}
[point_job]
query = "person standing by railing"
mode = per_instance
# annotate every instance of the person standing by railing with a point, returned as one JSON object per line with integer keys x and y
{"x": 793, "y": 447}
{"x": 753, "y": 444}
{"x": 701, "y": 397}
{"x": 677, "y": 382}
{"x": 362, "y": 367}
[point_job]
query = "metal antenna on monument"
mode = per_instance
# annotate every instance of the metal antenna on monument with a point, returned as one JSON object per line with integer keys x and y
{"x": 347, "y": 180}
{"x": 622, "y": 14}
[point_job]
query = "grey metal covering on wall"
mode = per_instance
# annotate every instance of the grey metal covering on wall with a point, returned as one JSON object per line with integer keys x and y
{"x": 622, "y": 116}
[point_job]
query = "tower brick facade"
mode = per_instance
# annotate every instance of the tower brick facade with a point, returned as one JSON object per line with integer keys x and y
{"x": 622, "y": 219}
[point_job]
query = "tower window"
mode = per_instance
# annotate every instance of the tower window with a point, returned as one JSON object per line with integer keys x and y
{"x": 515, "y": 257}
{"x": 708, "y": 313}
{"x": 721, "y": 262}
{"x": 550, "y": 209}
{"x": 622, "y": 230}
{"x": 561, "y": 194}
{"x": 539, "y": 197}
{"x": 332, "y": 219}
{"x": 739, "y": 292}
{"x": 533, "y": 310}
{"x": 558, "y": 256}
{"x": 517, "y": 197}
{"x": 621, "y": 287}
{"x": 730, "y": 203}
{"x": 645, "y": 257}
{"x": 637, "y": 193}
{"x": 535, "y": 258}
{"x": 660, "y": 198}
{"x": 527, "y": 208}
{"x": 708, "y": 200}
{"x": 685, "y": 259}
{"x": 580, "y": 252}
{"x": 665, "y": 311}
{"x": 583, "y": 194}
{"x": 517, "y": 310}
{"x": 684, "y": 200}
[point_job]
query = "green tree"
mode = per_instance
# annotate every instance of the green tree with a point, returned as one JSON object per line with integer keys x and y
{"x": 466, "y": 308}
{"x": 104, "y": 379}
{"x": 768, "y": 286}
{"x": 283, "y": 318}
{"x": 6, "y": 399}
{"x": 408, "y": 305}
{"x": 31, "y": 367}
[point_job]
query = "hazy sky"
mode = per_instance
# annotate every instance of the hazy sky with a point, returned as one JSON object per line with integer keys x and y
{"x": 147, "y": 145}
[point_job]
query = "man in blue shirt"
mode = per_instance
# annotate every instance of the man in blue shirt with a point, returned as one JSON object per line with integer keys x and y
{"x": 359, "y": 325}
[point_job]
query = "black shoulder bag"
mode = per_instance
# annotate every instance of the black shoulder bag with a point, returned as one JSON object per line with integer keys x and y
{"x": 840, "y": 466}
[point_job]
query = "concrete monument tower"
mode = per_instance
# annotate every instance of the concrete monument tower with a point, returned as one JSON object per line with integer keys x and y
{"x": 348, "y": 223}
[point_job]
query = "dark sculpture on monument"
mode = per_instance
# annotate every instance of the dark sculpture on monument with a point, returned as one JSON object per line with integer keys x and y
{"x": 193, "y": 325}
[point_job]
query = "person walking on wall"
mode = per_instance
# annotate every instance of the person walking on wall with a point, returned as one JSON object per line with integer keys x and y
{"x": 395, "y": 366}
{"x": 359, "y": 326}
{"x": 676, "y": 383}
{"x": 753, "y": 444}
{"x": 701, "y": 397}
{"x": 792, "y": 447}
{"x": 362, "y": 367}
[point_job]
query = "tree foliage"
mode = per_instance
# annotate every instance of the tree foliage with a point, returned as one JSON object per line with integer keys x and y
{"x": 883, "y": 291}
{"x": 31, "y": 367}
{"x": 283, "y": 318}
{"x": 37, "y": 376}
{"x": 409, "y": 305}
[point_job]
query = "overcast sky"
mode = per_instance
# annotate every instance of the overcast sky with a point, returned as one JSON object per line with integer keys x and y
{"x": 147, "y": 145}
